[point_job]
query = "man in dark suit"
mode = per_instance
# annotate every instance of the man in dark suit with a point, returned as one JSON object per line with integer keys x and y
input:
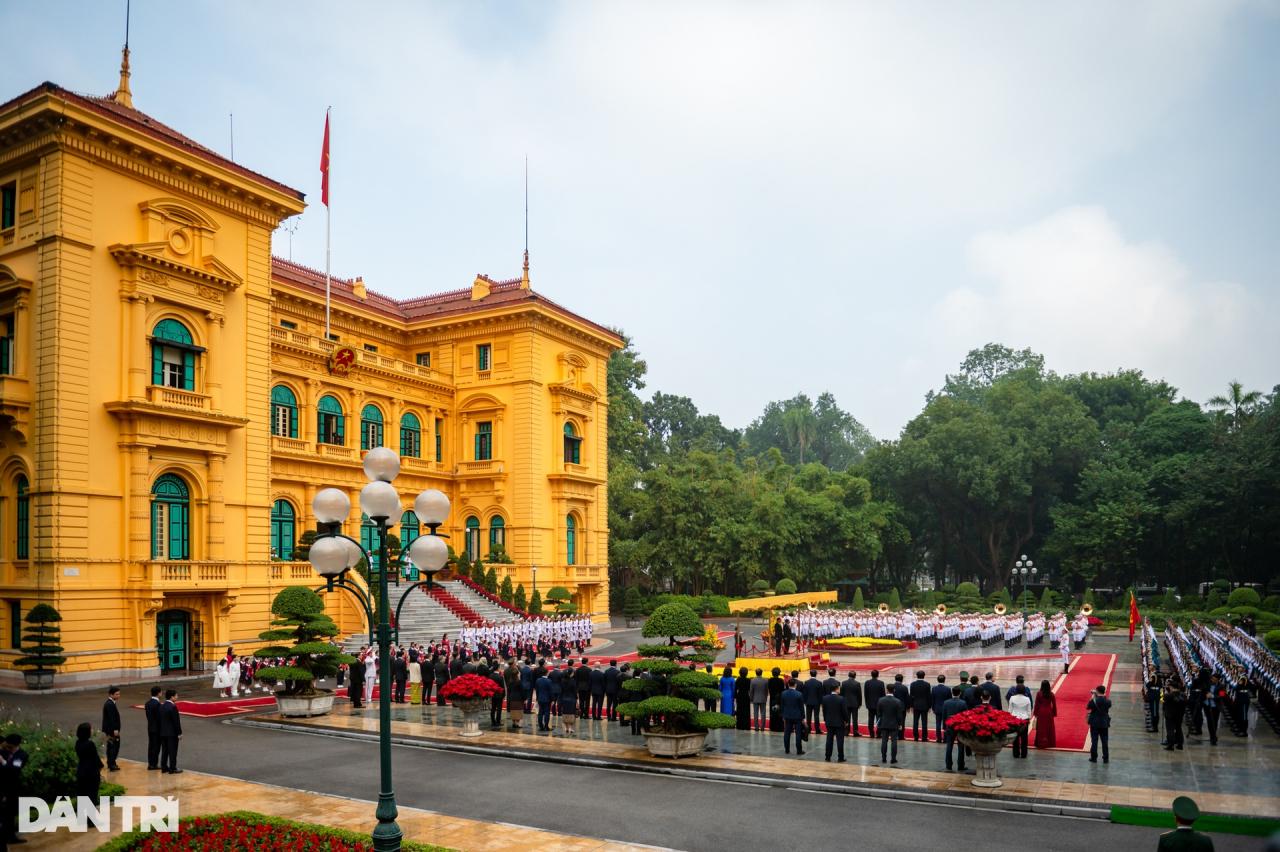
{"x": 938, "y": 696}
{"x": 399, "y": 674}
{"x": 597, "y": 692}
{"x": 991, "y": 688}
{"x": 921, "y": 701}
{"x": 952, "y": 707}
{"x": 891, "y": 713}
{"x": 612, "y": 686}
{"x": 1099, "y": 710}
{"x": 830, "y": 682}
{"x": 111, "y": 727}
{"x": 12, "y": 760}
{"x": 356, "y": 690}
{"x": 582, "y": 679}
{"x": 170, "y": 733}
{"x": 1212, "y": 702}
{"x": 1184, "y": 838}
{"x": 833, "y": 716}
{"x": 152, "y": 709}
{"x": 851, "y": 692}
{"x": 872, "y": 692}
{"x": 971, "y": 693}
{"x": 542, "y": 687}
{"x": 787, "y": 634}
{"x": 812, "y": 691}
{"x": 791, "y": 703}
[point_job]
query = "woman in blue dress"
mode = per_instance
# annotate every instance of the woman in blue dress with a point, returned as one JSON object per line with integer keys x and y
{"x": 726, "y": 691}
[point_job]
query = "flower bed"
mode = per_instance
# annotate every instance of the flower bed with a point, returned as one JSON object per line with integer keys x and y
{"x": 468, "y": 686}
{"x": 245, "y": 830}
{"x": 859, "y": 643}
{"x": 985, "y": 723}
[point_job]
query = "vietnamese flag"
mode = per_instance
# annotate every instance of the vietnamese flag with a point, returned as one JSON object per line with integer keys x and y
{"x": 1134, "y": 618}
{"x": 324, "y": 163}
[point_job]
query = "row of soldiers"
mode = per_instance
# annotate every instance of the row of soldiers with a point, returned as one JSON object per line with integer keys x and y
{"x": 573, "y": 631}
{"x": 924, "y": 626}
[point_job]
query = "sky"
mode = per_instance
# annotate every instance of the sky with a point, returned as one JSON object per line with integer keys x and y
{"x": 768, "y": 198}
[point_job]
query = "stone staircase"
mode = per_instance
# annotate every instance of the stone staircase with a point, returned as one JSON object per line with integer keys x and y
{"x": 482, "y": 606}
{"x": 421, "y": 620}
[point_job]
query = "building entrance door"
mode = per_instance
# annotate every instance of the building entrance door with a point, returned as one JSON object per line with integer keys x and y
{"x": 173, "y": 633}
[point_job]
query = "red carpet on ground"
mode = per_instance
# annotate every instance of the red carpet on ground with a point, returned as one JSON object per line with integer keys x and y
{"x": 1073, "y": 692}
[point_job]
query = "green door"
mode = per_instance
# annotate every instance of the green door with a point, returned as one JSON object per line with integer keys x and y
{"x": 171, "y": 640}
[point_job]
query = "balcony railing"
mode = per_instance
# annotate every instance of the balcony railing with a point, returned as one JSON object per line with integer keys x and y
{"x": 290, "y": 445}
{"x": 187, "y": 573}
{"x": 334, "y": 451}
{"x": 486, "y": 466}
{"x": 162, "y": 395}
{"x": 412, "y": 465}
{"x": 363, "y": 356}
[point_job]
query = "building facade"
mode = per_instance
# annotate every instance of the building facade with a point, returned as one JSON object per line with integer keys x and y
{"x": 170, "y": 403}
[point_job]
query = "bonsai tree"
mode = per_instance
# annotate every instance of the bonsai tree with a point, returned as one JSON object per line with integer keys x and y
{"x": 520, "y": 600}
{"x": 505, "y": 592}
{"x": 785, "y": 586}
{"x": 968, "y": 596}
{"x": 632, "y": 606}
{"x": 535, "y": 603}
{"x": 1243, "y": 596}
{"x": 300, "y": 618}
{"x": 302, "y": 550}
{"x": 498, "y": 555}
{"x": 559, "y": 597}
{"x": 665, "y": 701}
{"x": 858, "y": 601}
{"x": 42, "y": 653}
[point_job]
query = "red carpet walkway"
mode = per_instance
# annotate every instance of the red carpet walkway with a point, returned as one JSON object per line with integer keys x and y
{"x": 1073, "y": 691}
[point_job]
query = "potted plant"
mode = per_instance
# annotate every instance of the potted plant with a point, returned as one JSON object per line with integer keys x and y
{"x": 40, "y": 645}
{"x": 300, "y": 617}
{"x": 470, "y": 693}
{"x": 667, "y": 690}
{"x": 984, "y": 730}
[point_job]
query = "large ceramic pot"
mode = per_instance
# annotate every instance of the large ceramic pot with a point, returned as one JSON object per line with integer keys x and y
{"x": 985, "y": 752}
{"x": 38, "y": 678}
{"x": 674, "y": 745}
{"x": 308, "y": 705}
{"x": 471, "y": 709}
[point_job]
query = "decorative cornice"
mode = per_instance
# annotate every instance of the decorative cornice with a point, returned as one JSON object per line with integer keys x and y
{"x": 216, "y": 273}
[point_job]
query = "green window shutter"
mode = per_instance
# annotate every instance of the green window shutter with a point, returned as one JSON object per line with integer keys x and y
{"x": 157, "y": 364}
{"x": 293, "y": 421}
{"x": 177, "y": 531}
{"x": 157, "y": 542}
{"x": 439, "y": 449}
{"x": 478, "y": 446}
{"x": 189, "y": 371}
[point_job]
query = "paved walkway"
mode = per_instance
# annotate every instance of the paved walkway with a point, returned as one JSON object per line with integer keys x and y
{"x": 199, "y": 793}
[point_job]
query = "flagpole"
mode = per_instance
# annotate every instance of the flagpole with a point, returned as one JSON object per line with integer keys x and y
{"x": 326, "y": 227}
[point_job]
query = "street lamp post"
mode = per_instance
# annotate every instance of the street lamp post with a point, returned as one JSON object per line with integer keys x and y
{"x": 333, "y": 554}
{"x": 1021, "y": 569}
{"x": 533, "y": 569}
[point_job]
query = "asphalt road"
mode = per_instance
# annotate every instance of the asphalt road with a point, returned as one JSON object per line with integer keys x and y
{"x": 686, "y": 814}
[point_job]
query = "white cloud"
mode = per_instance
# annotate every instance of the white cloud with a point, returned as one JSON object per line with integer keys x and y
{"x": 1073, "y": 287}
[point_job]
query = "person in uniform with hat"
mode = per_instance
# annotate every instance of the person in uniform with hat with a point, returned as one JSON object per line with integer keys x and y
{"x": 1184, "y": 838}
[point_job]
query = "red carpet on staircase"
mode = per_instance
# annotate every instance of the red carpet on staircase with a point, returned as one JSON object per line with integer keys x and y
{"x": 465, "y": 613}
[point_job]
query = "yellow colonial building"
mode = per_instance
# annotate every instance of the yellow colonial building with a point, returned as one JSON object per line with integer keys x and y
{"x": 170, "y": 404}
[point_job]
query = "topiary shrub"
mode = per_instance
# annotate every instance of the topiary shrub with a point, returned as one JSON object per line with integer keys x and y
{"x": 505, "y": 591}
{"x": 930, "y": 601}
{"x": 520, "y": 600}
{"x": 895, "y": 600}
{"x": 535, "y": 603}
{"x": 858, "y": 601}
{"x": 1272, "y": 640}
{"x": 632, "y": 605}
{"x": 1243, "y": 596}
{"x": 300, "y": 617}
{"x": 968, "y": 596}
{"x": 785, "y": 586}
{"x": 41, "y": 652}
{"x": 1272, "y": 604}
{"x": 761, "y": 586}
{"x": 666, "y": 700}
{"x": 302, "y": 550}
{"x": 1214, "y": 600}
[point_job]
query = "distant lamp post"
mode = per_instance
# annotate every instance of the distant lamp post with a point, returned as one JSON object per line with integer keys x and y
{"x": 334, "y": 554}
{"x": 533, "y": 569}
{"x": 1021, "y": 569}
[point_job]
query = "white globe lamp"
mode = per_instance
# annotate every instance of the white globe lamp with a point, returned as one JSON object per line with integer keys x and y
{"x": 331, "y": 506}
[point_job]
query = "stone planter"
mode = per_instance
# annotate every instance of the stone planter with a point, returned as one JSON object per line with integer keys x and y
{"x": 309, "y": 705}
{"x": 674, "y": 745}
{"x": 38, "y": 679}
{"x": 985, "y": 752}
{"x": 471, "y": 709}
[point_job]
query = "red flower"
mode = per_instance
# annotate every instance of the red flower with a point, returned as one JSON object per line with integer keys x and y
{"x": 469, "y": 686}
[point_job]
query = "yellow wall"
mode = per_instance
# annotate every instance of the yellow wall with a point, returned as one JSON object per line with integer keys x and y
{"x": 117, "y": 230}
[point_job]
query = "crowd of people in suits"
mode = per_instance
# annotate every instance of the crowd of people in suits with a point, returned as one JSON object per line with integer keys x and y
{"x": 797, "y": 708}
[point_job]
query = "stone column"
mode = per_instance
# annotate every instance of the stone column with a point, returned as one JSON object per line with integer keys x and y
{"x": 217, "y": 507}
{"x": 135, "y": 346}
{"x": 308, "y": 412}
{"x": 21, "y": 334}
{"x": 215, "y": 361}
{"x": 139, "y": 504}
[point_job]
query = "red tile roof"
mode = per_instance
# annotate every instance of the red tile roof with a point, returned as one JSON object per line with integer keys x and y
{"x": 453, "y": 302}
{"x": 144, "y": 123}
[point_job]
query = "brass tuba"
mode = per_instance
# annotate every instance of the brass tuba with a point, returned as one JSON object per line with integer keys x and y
{"x": 884, "y": 607}
{"x": 1087, "y": 609}
{"x": 940, "y": 609}
{"x": 1001, "y": 609}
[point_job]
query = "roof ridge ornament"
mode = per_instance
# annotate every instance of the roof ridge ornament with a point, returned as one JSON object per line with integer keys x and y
{"x": 122, "y": 94}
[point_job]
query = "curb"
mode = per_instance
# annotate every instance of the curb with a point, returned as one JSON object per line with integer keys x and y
{"x": 870, "y": 791}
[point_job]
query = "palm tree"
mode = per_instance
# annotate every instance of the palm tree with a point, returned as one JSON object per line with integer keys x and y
{"x": 801, "y": 427}
{"x": 1236, "y": 405}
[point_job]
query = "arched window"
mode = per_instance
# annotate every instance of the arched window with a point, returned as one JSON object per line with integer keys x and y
{"x": 410, "y": 436}
{"x": 570, "y": 540}
{"x": 170, "y": 518}
{"x": 497, "y": 534}
{"x": 282, "y": 539}
{"x": 409, "y": 528}
{"x": 23, "y": 520}
{"x": 329, "y": 421}
{"x": 473, "y": 538}
{"x": 284, "y": 412}
{"x": 173, "y": 356}
{"x": 370, "y": 427}
{"x": 369, "y": 541}
{"x": 572, "y": 445}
